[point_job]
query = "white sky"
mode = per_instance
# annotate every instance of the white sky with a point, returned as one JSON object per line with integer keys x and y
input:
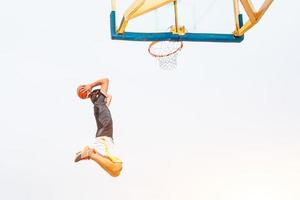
{"x": 224, "y": 126}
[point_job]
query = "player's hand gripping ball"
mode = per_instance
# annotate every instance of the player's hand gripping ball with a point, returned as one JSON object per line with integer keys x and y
{"x": 82, "y": 92}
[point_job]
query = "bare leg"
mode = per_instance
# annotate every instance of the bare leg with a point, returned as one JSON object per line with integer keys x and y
{"x": 112, "y": 168}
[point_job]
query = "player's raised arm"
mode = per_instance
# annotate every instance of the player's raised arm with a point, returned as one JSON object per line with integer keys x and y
{"x": 103, "y": 83}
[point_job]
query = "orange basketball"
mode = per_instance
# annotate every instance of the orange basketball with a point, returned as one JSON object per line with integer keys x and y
{"x": 81, "y": 93}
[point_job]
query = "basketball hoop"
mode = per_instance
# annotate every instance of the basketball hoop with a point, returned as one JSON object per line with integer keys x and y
{"x": 166, "y": 53}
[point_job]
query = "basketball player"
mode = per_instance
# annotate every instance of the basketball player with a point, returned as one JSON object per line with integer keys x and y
{"x": 102, "y": 150}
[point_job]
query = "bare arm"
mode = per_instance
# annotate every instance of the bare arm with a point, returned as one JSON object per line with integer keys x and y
{"x": 103, "y": 83}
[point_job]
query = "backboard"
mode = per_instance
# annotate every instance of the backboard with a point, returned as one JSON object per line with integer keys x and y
{"x": 186, "y": 20}
{"x": 195, "y": 15}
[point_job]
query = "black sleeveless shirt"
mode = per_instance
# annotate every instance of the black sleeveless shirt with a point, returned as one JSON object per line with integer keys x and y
{"x": 102, "y": 114}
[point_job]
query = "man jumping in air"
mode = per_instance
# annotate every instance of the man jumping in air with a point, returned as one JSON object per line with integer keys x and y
{"x": 102, "y": 150}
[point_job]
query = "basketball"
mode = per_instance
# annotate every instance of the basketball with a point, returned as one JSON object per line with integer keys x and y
{"x": 81, "y": 92}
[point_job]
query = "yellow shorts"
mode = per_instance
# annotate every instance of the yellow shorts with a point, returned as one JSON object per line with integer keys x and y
{"x": 105, "y": 147}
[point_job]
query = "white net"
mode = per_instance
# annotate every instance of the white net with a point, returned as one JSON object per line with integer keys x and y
{"x": 168, "y": 63}
{"x": 166, "y": 53}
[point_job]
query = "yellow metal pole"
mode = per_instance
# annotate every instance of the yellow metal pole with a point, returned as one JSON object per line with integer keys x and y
{"x": 176, "y": 16}
{"x": 263, "y": 9}
{"x": 249, "y": 10}
{"x": 236, "y": 14}
{"x": 247, "y": 26}
{"x": 254, "y": 16}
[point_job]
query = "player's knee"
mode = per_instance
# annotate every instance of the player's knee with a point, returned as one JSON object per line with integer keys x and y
{"x": 115, "y": 174}
{"x": 116, "y": 169}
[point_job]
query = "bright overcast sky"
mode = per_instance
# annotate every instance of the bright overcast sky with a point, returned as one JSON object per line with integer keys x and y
{"x": 224, "y": 125}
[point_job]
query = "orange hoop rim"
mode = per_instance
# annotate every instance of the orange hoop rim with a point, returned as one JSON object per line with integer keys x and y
{"x": 164, "y": 55}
